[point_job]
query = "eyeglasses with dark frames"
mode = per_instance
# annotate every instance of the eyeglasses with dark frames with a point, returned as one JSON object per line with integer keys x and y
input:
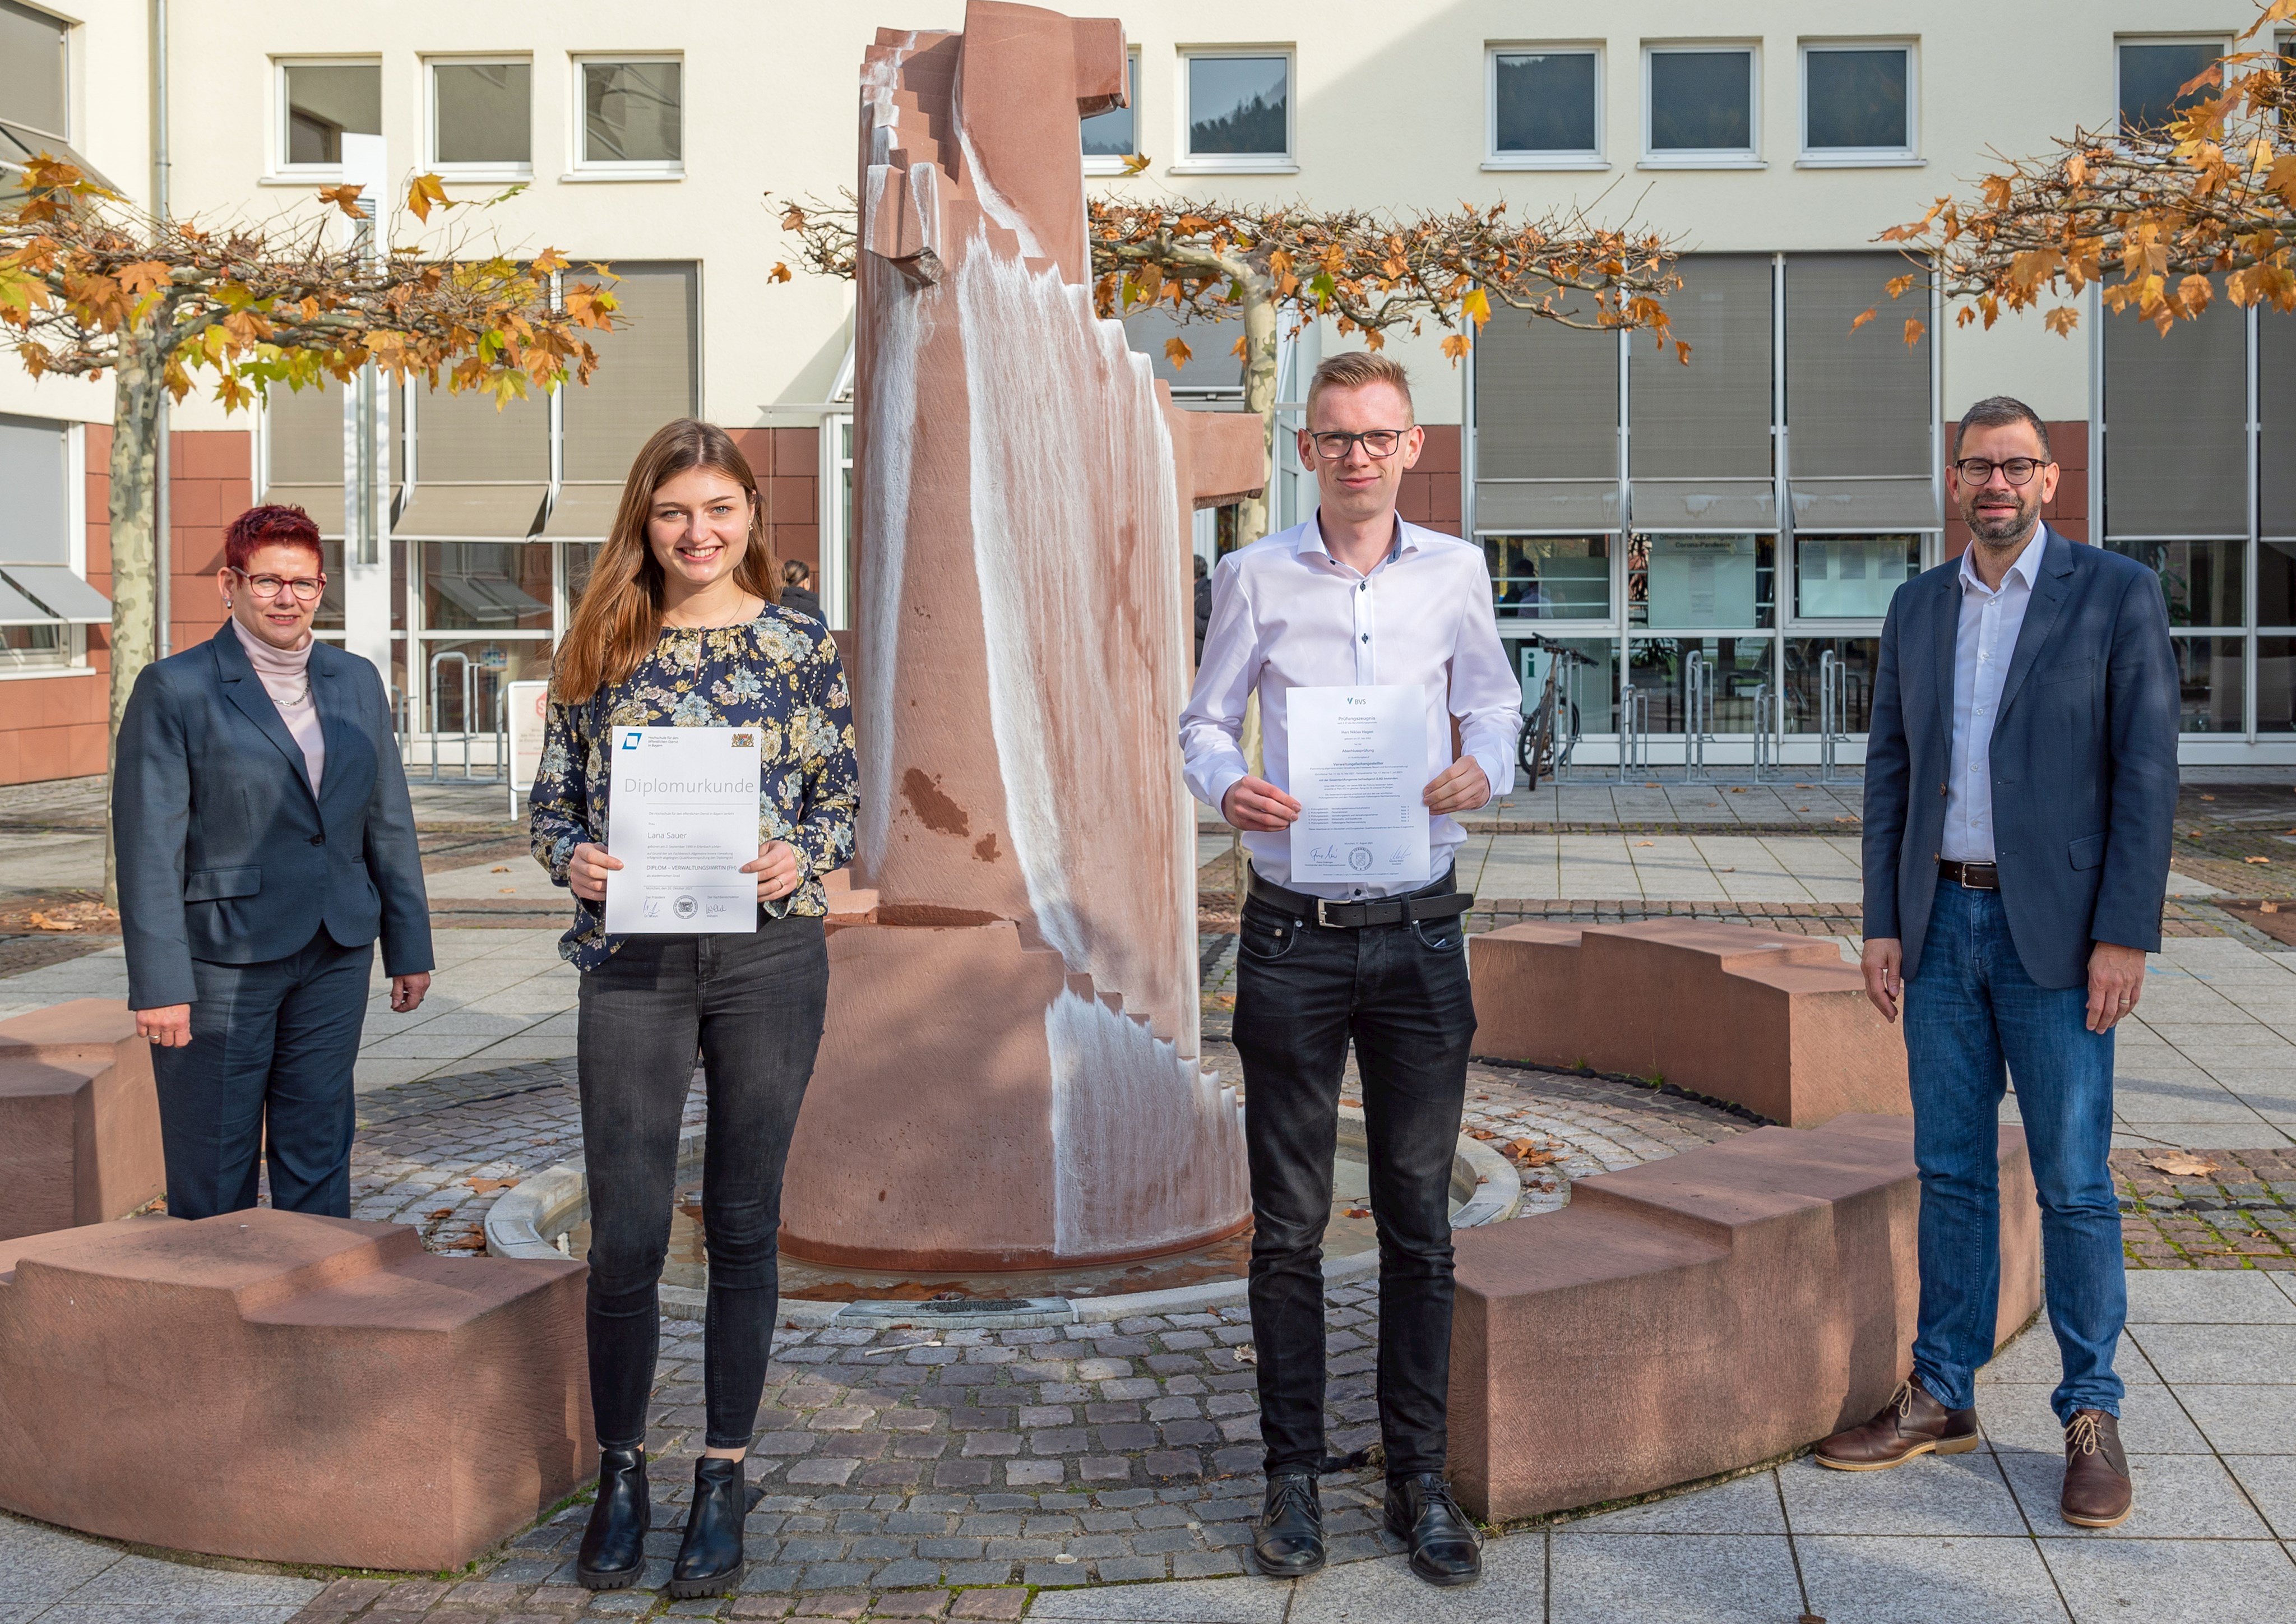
{"x": 305, "y": 588}
{"x": 2017, "y": 469}
{"x": 1333, "y": 445}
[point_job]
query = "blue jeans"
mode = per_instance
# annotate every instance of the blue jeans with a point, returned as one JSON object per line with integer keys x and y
{"x": 1972, "y": 1008}
{"x": 266, "y": 1077}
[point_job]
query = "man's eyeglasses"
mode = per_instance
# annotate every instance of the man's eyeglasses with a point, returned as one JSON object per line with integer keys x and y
{"x": 306, "y": 590}
{"x": 2017, "y": 469}
{"x": 1334, "y": 445}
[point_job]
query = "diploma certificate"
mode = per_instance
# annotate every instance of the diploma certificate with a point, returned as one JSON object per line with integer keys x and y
{"x": 682, "y": 816}
{"x": 1358, "y": 769}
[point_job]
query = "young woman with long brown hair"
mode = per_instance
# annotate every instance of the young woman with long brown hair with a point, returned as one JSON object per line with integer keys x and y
{"x": 680, "y": 627}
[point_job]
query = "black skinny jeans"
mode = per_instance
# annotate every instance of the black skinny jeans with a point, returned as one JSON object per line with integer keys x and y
{"x": 1400, "y": 992}
{"x": 753, "y": 1006}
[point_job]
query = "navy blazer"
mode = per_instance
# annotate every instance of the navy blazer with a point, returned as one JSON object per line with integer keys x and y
{"x": 2084, "y": 762}
{"x": 224, "y": 854}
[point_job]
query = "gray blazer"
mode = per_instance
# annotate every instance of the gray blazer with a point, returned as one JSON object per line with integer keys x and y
{"x": 2084, "y": 762}
{"x": 224, "y": 853}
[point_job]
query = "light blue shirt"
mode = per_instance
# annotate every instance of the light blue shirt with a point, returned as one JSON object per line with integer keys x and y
{"x": 1983, "y": 645}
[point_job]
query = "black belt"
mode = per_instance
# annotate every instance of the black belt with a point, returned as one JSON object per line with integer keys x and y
{"x": 1973, "y": 876}
{"x": 1441, "y": 900}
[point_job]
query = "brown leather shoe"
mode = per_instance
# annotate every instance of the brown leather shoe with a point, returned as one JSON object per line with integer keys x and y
{"x": 1911, "y": 1423}
{"x": 2098, "y": 1493}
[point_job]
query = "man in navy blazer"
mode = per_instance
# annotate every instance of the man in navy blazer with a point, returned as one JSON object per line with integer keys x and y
{"x": 264, "y": 839}
{"x": 2020, "y": 788}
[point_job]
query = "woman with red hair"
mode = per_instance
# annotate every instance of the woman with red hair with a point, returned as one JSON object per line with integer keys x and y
{"x": 265, "y": 840}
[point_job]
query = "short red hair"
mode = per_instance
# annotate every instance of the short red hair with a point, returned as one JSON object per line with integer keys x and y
{"x": 274, "y": 526}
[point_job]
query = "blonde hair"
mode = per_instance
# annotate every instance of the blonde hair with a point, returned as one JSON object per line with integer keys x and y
{"x": 618, "y": 619}
{"x": 1355, "y": 369}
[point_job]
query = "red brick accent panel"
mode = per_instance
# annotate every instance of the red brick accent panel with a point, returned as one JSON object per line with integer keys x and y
{"x": 1430, "y": 490}
{"x": 2067, "y": 512}
{"x": 211, "y": 484}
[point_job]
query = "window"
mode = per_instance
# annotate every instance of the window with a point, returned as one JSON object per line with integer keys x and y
{"x": 32, "y": 70}
{"x": 1550, "y": 577}
{"x": 2153, "y": 71}
{"x": 1851, "y": 578}
{"x": 1112, "y": 136}
{"x": 633, "y": 115}
{"x": 1858, "y": 103}
{"x": 1700, "y": 103}
{"x": 1545, "y": 108}
{"x": 1238, "y": 115}
{"x": 481, "y": 116}
{"x": 42, "y": 599}
{"x": 320, "y": 104}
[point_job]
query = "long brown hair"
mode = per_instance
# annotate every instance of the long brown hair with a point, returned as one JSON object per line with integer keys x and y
{"x": 618, "y": 619}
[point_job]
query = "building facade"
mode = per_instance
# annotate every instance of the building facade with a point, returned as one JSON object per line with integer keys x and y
{"x": 1697, "y": 544}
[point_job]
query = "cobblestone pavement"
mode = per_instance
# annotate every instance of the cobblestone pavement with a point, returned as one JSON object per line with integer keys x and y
{"x": 2241, "y": 1213}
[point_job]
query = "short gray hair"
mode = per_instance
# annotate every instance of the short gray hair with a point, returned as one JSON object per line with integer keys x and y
{"x": 1999, "y": 412}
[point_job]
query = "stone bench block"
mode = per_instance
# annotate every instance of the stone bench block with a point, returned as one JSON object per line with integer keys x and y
{"x": 1693, "y": 1316}
{"x": 290, "y": 1389}
{"x": 79, "y": 1120}
{"x": 1771, "y": 1021}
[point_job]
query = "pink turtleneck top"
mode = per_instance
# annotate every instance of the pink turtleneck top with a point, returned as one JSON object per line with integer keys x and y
{"x": 286, "y": 676}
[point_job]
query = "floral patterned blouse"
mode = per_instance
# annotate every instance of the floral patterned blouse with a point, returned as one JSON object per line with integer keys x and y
{"x": 779, "y": 673}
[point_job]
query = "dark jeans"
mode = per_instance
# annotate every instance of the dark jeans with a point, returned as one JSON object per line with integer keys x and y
{"x": 1972, "y": 1009}
{"x": 753, "y": 1007}
{"x": 1400, "y": 992}
{"x": 266, "y": 1076}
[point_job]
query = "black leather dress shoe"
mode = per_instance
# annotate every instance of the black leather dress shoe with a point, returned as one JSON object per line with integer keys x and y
{"x": 613, "y": 1546}
{"x": 1290, "y": 1540}
{"x": 1444, "y": 1549}
{"x": 709, "y": 1558}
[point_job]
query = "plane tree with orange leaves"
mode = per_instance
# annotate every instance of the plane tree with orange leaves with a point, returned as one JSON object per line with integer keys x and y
{"x": 91, "y": 286}
{"x": 1371, "y": 273}
{"x": 2160, "y": 219}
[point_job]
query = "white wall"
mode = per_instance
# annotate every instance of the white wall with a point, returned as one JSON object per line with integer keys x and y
{"x": 1388, "y": 113}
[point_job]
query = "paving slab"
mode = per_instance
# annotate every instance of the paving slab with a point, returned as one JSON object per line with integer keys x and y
{"x": 2178, "y": 1497}
{"x": 1512, "y": 1589}
{"x": 1944, "y": 1495}
{"x": 1866, "y": 1580}
{"x": 1670, "y": 1578}
{"x": 2173, "y": 1581}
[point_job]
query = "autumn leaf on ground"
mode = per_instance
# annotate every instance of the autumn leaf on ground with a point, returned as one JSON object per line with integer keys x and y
{"x": 41, "y": 921}
{"x": 1358, "y": 1211}
{"x": 502, "y": 868}
{"x": 484, "y": 1185}
{"x": 1246, "y": 1354}
{"x": 2180, "y": 1164}
{"x": 2256, "y": 859}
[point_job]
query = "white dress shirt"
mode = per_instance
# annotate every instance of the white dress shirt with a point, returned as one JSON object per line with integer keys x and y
{"x": 1286, "y": 615}
{"x": 1983, "y": 643}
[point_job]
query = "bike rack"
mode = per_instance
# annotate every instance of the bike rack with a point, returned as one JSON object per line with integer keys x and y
{"x": 1769, "y": 741}
{"x": 470, "y": 676}
{"x": 1830, "y": 717}
{"x": 1633, "y": 733}
{"x": 1698, "y": 716}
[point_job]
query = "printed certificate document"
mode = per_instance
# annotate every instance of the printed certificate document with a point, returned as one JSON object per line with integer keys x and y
{"x": 683, "y": 817}
{"x": 1359, "y": 768}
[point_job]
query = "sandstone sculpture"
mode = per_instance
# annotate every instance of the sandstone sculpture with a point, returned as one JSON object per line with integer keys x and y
{"x": 1688, "y": 1317}
{"x": 80, "y": 1121}
{"x": 284, "y": 1388}
{"x": 1010, "y": 1074}
{"x": 1776, "y": 1022}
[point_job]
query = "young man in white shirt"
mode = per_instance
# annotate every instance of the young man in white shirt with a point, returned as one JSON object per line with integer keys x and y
{"x": 1354, "y": 597}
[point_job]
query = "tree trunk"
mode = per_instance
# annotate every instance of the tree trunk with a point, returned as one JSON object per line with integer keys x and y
{"x": 135, "y": 557}
{"x": 1260, "y": 381}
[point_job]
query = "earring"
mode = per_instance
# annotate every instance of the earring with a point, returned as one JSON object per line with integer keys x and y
{"x": 227, "y": 602}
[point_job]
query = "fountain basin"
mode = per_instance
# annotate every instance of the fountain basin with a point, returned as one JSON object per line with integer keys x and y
{"x": 548, "y": 1216}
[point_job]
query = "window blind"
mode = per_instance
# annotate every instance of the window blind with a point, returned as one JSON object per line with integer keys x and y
{"x": 1546, "y": 425}
{"x": 303, "y": 461}
{"x": 2275, "y": 389}
{"x": 645, "y": 375}
{"x": 480, "y": 473}
{"x": 1859, "y": 445}
{"x": 1700, "y": 450}
{"x": 2175, "y": 424}
{"x": 35, "y": 516}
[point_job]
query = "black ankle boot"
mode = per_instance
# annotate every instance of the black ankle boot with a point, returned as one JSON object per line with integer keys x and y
{"x": 709, "y": 1558}
{"x": 613, "y": 1546}
{"x": 1289, "y": 1542}
{"x": 1444, "y": 1548}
